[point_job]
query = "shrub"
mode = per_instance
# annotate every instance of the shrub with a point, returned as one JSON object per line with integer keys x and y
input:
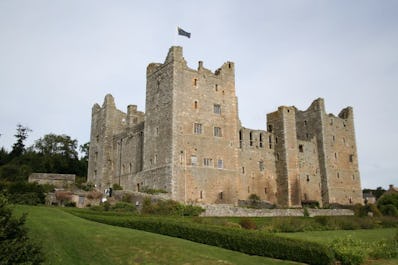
{"x": 127, "y": 197}
{"x": 15, "y": 246}
{"x": 24, "y": 193}
{"x": 169, "y": 207}
{"x": 349, "y": 251}
{"x": 152, "y": 191}
{"x": 70, "y": 204}
{"x": 389, "y": 210}
{"x": 116, "y": 186}
{"x": 124, "y": 207}
{"x": 247, "y": 223}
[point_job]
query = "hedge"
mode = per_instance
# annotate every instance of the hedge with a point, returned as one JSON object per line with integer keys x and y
{"x": 249, "y": 242}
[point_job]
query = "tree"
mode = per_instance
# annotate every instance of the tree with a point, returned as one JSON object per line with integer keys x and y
{"x": 57, "y": 144}
{"x": 19, "y": 147}
{"x": 388, "y": 204}
{"x": 85, "y": 148}
{"x": 15, "y": 245}
{"x": 3, "y": 156}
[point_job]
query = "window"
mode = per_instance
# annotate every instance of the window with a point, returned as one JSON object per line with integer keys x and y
{"x": 243, "y": 170}
{"x": 240, "y": 139}
{"x": 351, "y": 158}
{"x": 308, "y": 178}
{"x": 265, "y": 190}
{"x": 261, "y": 165}
{"x": 261, "y": 140}
{"x": 201, "y": 194}
{"x": 216, "y": 87}
{"x": 195, "y": 81}
{"x": 277, "y": 156}
{"x": 276, "y": 140}
{"x": 195, "y": 104}
{"x": 221, "y": 196}
{"x": 194, "y": 160}
{"x": 251, "y": 138}
{"x": 220, "y": 163}
{"x": 207, "y": 162}
{"x": 217, "y": 108}
{"x": 305, "y": 122}
{"x": 157, "y": 131}
{"x": 197, "y": 128}
{"x": 270, "y": 128}
{"x": 155, "y": 159}
{"x": 217, "y": 131}
{"x": 301, "y": 149}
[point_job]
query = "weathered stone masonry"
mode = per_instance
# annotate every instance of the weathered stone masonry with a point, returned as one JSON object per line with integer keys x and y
{"x": 190, "y": 143}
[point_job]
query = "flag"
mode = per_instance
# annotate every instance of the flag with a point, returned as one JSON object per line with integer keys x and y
{"x": 183, "y": 32}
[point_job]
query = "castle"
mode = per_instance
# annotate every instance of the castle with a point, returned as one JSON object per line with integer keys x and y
{"x": 191, "y": 144}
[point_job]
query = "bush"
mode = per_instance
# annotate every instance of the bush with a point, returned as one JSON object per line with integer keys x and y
{"x": 70, "y": 204}
{"x": 349, "y": 251}
{"x": 24, "y": 193}
{"x": 389, "y": 210}
{"x": 247, "y": 223}
{"x": 124, "y": 207}
{"x": 15, "y": 246}
{"x": 169, "y": 207}
{"x": 116, "y": 186}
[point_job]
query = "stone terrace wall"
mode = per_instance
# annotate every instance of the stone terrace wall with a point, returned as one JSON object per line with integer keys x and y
{"x": 229, "y": 210}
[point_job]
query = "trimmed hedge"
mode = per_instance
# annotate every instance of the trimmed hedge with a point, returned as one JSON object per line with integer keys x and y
{"x": 249, "y": 242}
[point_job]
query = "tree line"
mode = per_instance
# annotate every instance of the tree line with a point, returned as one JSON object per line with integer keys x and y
{"x": 51, "y": 153}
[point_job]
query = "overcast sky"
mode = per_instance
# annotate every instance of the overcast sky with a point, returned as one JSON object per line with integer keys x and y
{"x": 58, "y": 58}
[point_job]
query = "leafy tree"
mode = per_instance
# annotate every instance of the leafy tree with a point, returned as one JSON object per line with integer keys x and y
{"x": 84, "y": 148}
{"x": 15, "y": 246}
{"x": 19, "y": 146}
{"x": 52, "y": 144}
{"x": 387, "y": 203}
{"x": 377, "y": 192}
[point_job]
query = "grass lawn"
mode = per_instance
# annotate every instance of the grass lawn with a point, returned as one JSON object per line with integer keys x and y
{"x": 328, "y": 236}
{"x": 68, "y": 239}
{"x": 367, "y": 235}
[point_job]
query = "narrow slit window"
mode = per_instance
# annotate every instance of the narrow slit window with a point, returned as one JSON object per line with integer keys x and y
{"x": 301, "y": 148}
{"x": 251, "y": 138}
{"x": 197, "y": 128}
{"x": 217, "y": 131}
{"x": 217, "y": 109}
{"x": 261, "y": 140}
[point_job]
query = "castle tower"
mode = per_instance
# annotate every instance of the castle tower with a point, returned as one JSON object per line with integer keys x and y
{"x": 283, "y": 124}
{"x": 191, "y": 130}
{"x": 106, "y": 121}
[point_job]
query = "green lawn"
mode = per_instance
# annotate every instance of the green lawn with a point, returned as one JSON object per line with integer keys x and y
{"x": 367, "y": 235}
{"x": 68, "y": 239}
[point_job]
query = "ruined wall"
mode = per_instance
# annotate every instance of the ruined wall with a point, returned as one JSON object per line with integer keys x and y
{"x": 257, "y": 165}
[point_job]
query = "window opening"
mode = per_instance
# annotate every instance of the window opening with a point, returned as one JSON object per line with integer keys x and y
{"x": 261, "y": 165}
{"x": 194, "y": 160}
{"x": 301, "y": 149}
{"x": 207, "y": 162}
{"x": 217, "y": 131}
{"x": 196, "y": 104}
{"x": 220, "y": 163}
{"x": 251, "y": 138}
{"x": 240, "y": 139}
{"x": 261, "y": 140}
{"x": 197, "y": 128}
{"x": 217, "y": 109}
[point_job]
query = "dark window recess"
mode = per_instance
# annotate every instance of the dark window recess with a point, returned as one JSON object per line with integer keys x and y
{"x": 240, "y": 139}
{"x": 251, "y": 138}
{"x": 351, "y": 158}
{"x": 301, "y": 148}
{"x": 269, "y": 127}
{"x": 308, "y": 178}
{"x": 261, "y": 140}
{"x": 221, "y": 195}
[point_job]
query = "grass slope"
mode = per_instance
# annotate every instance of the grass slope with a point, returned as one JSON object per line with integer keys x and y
{"x": 369, "y": 235}
{"x": 67, "y": 239}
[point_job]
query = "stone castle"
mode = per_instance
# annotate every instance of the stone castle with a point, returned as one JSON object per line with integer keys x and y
{"x": 191, "y": 144}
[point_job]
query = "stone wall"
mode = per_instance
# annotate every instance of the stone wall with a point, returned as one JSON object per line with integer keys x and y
{"x": 58, "y": 180}
{"x": 232, "y": 211}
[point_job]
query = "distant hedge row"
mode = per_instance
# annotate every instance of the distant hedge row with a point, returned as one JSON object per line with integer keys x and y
{"x": 248, "y": 242}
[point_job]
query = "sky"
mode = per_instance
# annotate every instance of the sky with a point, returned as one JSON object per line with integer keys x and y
{"x": 59, "y": 57}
